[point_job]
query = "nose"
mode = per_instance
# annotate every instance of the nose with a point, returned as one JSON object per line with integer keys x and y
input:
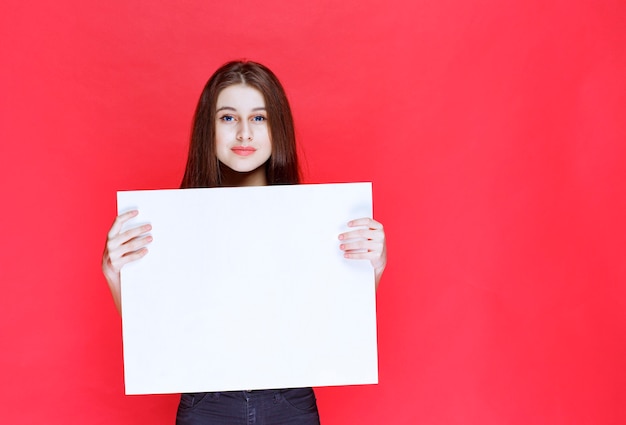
{"x": 244, "y": 132}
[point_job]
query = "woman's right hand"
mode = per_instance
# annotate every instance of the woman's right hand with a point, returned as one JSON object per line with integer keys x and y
{"x": 121, "y": 248}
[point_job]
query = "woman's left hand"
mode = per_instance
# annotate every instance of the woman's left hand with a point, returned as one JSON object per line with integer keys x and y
{"x": 367, "y": 243}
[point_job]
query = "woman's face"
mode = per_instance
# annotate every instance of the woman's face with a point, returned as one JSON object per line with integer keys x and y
{"x": 242, "y": 136}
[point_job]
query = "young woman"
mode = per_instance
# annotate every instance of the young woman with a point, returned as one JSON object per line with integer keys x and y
{"x": 243, "y": 135}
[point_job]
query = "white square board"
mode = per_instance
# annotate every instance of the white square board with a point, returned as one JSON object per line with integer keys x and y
{"x": 246, "y": 288}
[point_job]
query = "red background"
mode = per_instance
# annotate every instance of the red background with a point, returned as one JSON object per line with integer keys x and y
{"x": 494, "y": 133}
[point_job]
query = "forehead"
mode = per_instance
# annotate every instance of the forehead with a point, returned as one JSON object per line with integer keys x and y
{"x": 240, "y": 96}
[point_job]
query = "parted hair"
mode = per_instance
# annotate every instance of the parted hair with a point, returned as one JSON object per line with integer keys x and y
{"x": 203, "y": 166}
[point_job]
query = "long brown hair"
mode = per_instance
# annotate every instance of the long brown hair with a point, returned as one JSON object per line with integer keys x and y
{"x": 203, "y": 167}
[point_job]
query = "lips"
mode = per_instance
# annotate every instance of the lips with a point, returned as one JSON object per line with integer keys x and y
{"x": 243, "y": 150}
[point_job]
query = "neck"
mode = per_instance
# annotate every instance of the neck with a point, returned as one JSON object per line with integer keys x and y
{"x": 233, "y": 178}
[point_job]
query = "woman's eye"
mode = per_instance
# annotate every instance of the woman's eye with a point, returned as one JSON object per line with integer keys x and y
{"x": 258, "y": 118}
{"x": 228, "y": 118}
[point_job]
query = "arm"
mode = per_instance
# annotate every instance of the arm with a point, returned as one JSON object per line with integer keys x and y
{"x": 367, "y": 243}
{"x": 122, "y": 248}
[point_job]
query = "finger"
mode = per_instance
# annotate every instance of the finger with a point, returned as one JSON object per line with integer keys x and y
{"x": 377, "y": 235}
{"x": 134, "y": 232}
{"x": 125, "y": 237}
{"x": 119, "y": 222}
{"x": 119, "y": 256}
{"x": 119, "y": 262}
{"x": 365, "y": 221}
{"x": 362, "y": 255}
{"x": 136, "y": 243}
{"x": 369, "y": 224}
{"x": 120, "y": 246}
{"x": 368, "y": 246}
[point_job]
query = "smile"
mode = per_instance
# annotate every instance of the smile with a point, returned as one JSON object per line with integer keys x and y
{"x": 243, "y": 150}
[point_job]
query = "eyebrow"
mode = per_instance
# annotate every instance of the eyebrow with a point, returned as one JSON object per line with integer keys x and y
{"x": 230, "y": 108}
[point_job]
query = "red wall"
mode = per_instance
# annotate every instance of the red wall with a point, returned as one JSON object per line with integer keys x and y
{"x": 494, "y": 133}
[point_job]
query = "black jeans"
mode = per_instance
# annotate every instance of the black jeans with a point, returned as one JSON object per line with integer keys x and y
{"x": 266, "y": 407}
